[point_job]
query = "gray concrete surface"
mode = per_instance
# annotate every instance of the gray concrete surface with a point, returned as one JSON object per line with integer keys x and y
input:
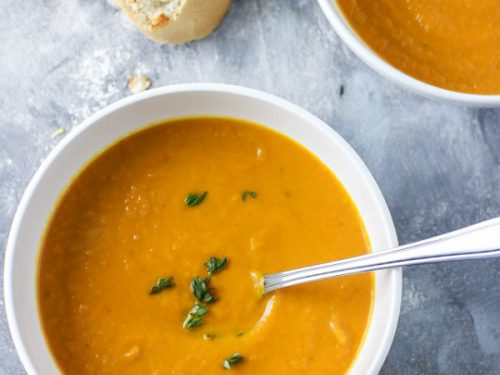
{"x": 438, "y": 165}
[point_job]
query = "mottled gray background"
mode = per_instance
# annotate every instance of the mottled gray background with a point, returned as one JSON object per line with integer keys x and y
{"x": 438, "y": 165}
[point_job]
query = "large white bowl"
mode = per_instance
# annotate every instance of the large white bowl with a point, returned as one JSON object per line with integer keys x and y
{"x": 134, "y": 112}
{"x": 355, "y": 43}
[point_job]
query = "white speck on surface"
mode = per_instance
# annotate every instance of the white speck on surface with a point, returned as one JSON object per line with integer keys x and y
{"x": 413, "y": 298}
{"x": 93, "y": 77}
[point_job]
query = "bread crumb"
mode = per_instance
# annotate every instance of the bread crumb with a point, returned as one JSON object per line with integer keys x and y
{"x": 114, "y": 3}
{"x": 138, "y": 83}
{"x": 58, "y": 132}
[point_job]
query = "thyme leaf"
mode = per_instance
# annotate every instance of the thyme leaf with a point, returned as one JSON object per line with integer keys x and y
{"x": 194, "y": 199}
{"x": 215, "y": 265}
{"x": 192, "y": 322}
{"x": 231, "y": 361}
{"x": 201, "y": 291}
{"x": 247, "y": 194}
{"x": 161, "y": 284}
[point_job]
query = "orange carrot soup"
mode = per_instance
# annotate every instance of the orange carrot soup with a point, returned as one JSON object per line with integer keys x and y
{"x": 447, "y": 43}
{"x": 150, "y": 261}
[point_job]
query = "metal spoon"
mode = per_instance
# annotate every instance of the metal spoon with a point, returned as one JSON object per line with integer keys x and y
{"x": 481, "y": 240}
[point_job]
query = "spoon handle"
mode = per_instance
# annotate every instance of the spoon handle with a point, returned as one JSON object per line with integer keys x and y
{"x": 481, "y": 240}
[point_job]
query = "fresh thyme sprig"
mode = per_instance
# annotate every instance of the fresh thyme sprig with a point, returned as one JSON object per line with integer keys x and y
{"x": 194, "y": 318}
{"x": 161, "y": 284}
{"x": 201, "y": 291}
{"x": 215, "y": 265}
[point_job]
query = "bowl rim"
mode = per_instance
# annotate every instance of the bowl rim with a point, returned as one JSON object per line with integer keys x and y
{"x": 373, "y": 60}
{"x": 312, "y": 120}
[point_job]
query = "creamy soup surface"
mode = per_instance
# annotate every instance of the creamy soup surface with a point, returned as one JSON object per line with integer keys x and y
{"x": 125, "y": 222}
{"x": 448, "y": 43}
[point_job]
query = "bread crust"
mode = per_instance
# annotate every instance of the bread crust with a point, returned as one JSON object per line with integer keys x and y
{"x": 196, "y": 20}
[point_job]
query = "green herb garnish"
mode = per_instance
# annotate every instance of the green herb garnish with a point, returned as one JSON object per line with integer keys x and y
{"x": 233, "y": 360}
{"x": 194, "y": 318}
{"x": 161, "y": 284}
{"x": 214, "y": 265}
{"x": 192, "y": 322}
{"x": 193, "y": 199}
{"x": 239, "y": 334}
{"x": 198, "y": 310}
{"x": 248, "y": 193}
{"x": 201, "y": 291}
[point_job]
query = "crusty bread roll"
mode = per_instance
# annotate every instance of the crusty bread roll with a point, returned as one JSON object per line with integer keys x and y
{"x": 176, "y": 21}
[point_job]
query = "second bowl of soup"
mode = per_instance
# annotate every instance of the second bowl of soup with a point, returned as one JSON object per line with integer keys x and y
{"x": 443, "y": 49}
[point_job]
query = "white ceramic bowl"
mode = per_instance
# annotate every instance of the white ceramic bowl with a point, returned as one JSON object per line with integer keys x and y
{"x": 137, "y": 111}
{"x": 355, "y": 43}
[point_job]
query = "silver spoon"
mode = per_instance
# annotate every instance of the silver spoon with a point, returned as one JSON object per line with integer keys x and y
{"x": 481, "y": 240}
